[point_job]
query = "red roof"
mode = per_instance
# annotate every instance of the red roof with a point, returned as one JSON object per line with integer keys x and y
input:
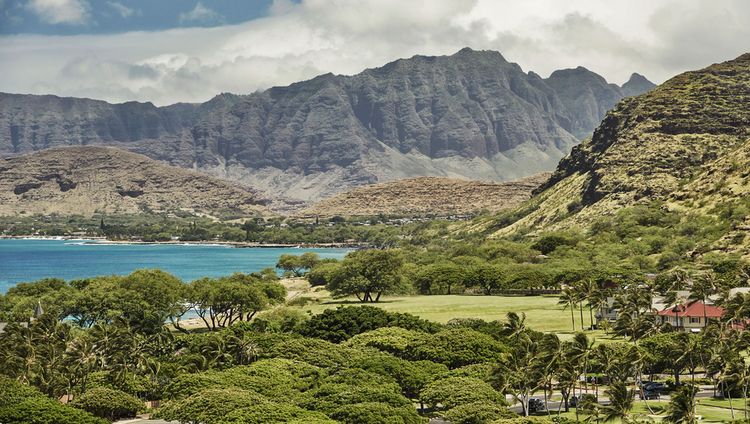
{"x": 693, "y": 309}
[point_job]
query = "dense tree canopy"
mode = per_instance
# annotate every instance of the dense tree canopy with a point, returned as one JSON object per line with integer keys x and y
{"x": 369, "y": 274}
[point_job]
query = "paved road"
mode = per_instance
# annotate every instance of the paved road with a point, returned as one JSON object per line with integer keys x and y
{"x": 705, "y": 392}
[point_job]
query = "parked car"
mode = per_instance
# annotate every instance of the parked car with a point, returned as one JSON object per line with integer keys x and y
{"x": 655, "y": 386}
{"x": 536, "y": 405}
{"x": 573, "y": 401}
{"x": 649, "y": 394}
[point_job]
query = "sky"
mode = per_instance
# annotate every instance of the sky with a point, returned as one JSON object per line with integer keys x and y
{"x": 168, "y": 51}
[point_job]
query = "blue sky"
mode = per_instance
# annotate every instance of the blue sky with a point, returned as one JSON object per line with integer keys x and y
{"x": 53, "y": 17}
{"x": 167, "y": 51}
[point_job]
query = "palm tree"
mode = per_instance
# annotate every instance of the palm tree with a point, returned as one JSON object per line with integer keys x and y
{"x": 588, "y": 289}
{"x": 636, "y": 326}
{"x": 568, "y": 299}
{"x": 245, "y": 349}
{"x": 591, "y": 408}
{"x": 737, "y": 308}
{"x": 677, "y": 301}
{"x": 676, "y": 280}
{"x": 621, "y": 402}
{"x": 702, "y": 289}
{"x": 515, "y": 327}
{"x": 579, "y": 291}
{"x": 81, "y": 359}
{"x": 681, "y": 408}
{"x": 582, "y": 350}
{"x": 521, "y": 374}
{"x": 566, "y": 374}
{"x": 552, "y": 354}
{"x": 599, "y": 299}
{"x": 736, "y": 373}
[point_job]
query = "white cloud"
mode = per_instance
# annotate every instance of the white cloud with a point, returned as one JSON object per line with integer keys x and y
{"x": 73, "y": 12}
{"x": 299, "y": 41}
{"x": 122, "y": 10}
{"x": 200, "y": 15}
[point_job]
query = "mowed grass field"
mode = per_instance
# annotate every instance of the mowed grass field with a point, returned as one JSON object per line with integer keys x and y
{"x": 542, "y": 312}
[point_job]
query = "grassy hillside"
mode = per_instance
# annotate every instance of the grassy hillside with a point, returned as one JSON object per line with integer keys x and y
{"x": 684, "y": 147}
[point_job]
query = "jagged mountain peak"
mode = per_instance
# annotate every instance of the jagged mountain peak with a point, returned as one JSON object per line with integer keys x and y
{"x": 586, "y": 94}
{"x": 471, "y": 114}
{"x": 637, "y": 84}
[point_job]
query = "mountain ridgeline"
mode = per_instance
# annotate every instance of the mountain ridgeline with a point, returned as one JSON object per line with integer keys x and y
{"x": 685, "y": 144}
{"x": 469, "y": 115}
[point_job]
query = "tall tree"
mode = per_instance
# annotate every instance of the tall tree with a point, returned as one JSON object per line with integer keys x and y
{"x": 682, "y": 406}
{"x": 621, "y": 402}
{"x": 703, "y": 288}
{"x": 568, "y": 300}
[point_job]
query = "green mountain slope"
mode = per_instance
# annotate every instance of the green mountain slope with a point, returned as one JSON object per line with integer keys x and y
{"x": 685, "y": 144}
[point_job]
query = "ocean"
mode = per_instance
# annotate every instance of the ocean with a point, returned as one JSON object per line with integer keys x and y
{"x": 30, "y": 260}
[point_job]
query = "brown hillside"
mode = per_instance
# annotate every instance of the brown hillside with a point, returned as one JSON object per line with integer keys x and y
{"x": 88, "y": 180}
{"x": 428, "y": 195}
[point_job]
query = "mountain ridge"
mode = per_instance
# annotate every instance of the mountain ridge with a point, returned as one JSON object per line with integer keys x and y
{"x": 685, "y": 144}
{"x": 469, "y": 115}
{"x": 423, "y": 196}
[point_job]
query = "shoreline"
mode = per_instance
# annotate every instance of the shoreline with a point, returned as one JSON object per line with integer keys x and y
{"x": 217, "y": 243}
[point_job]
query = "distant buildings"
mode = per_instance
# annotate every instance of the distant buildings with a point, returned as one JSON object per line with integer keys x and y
{"x": 684, "y": 314}
{"x": 690, "y": 316}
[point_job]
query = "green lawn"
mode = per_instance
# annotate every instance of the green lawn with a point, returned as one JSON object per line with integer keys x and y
{"x": 542, "y": 312}
{"x": 710, "y": 414}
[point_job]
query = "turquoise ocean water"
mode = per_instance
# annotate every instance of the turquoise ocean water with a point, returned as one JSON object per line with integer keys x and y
{"x": 30, "y": 260}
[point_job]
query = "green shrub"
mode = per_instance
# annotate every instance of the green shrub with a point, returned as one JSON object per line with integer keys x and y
{"x": 13, "y": 392}
{"x": 22, "y": 404}
{"x": 526, "y": 420}
{"x": 456, "y": 348}
{"x": 313, "y": 351}
{"x": 477, "y": 413}
{"x": 411, "y": 376}
{"x": 329, "y": 397}
{"x": 274, "y": 413}
{"x": 279, "y": 320}
{"x": 393, "y": 340}
{"x": 479, "y": 371}
{"x": 321, "y": 274}
{"x": 376, "y": 413}
{"x": 337, "y": 325}
{"x": 108, "y": 403}
{"x": 208, "y": 406}
{"x": 455, "y": 391}
{"x": 275, "y": 378}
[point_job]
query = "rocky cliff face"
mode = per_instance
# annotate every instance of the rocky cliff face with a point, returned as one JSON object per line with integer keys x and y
{"x": 587, "y": 97}
{"x": 636, "y": 85}
{"x": 88, "y": 180}
{"x": 687, "y": 142}
{"x": 469, "y": 115}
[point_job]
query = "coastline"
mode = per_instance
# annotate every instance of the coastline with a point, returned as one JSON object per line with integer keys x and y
{"x": 235, "y": 244}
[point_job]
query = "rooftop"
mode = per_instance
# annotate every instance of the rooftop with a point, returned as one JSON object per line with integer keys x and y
{"x": 693, "y": 309}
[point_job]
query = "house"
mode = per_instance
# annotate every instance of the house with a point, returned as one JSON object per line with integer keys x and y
{"x": 610, "y": 312}
{"x": 691, "y": 316}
